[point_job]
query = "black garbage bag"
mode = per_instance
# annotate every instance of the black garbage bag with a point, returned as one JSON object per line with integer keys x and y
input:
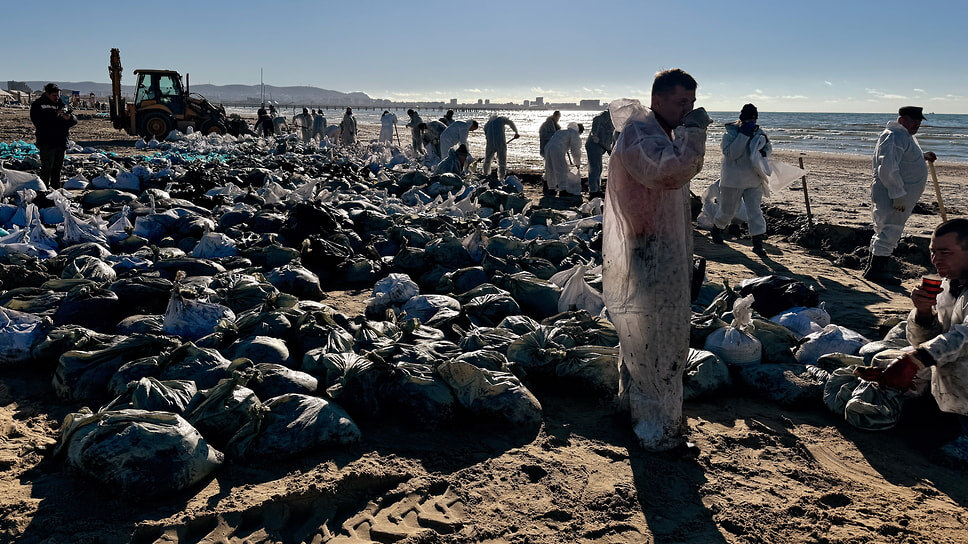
{"x": 701, "y": 326}
{"x": 296, "y": 280}
{"x": 141, "y": 324}
{"x": 460, "y": 281}
{"x": 416, "y": 395}
{"x": 142, "y": 294}
{"x": 502, "y": 247}
{"x": 778, "y": 342}
{"x": 540, "y": 351}
{"x": 590, "y": 370}
{"x": 83, "y": 375}
{"x": 551, "y": 250}
{"x": 479, "y": 291}
{"x": 191, "y": 266}
{"x": 538, "y": 298}
{"x": 496, "y": 338}
{"x": 270, "y": 380}
{"x": 488, "y": 359}
{"x": 489, "y": 310}
{"x": 90, "y": 307}
{"x": 32, "y": 300}
{"x": 293, "y": 424}
{"x": 256, "y": 322}
{"x": 705, "y": 373}
{"x": 328, "y": 338}
{"x": 319, "y": 253}
{"x": 136, "y": 452}
{"x": 155, "y": 395}
{"x": 411, "y": 261}
{"x": 90, "y": 268}
{"x": 307, "y": 219}
{"x": 416, "y": 332}
{"x": 493, "y": 396}
{"x": 204, "y": 366}
{"x": 70, "y": 337}
{"x": 221, "y": 411}
{"x": 355, "y": 382}
{"x": 789, "y": 385}
{"x": 519, "y": 324}
{"x": 774, "y": 294}
{"x": 241, "y": 292}
{"x": 542, "y": 268}
{"x": 273, "y": 255}
{"x": 260, "y": 349}
{"x": 145, "y": 367}
{"x": 448, "y": 251}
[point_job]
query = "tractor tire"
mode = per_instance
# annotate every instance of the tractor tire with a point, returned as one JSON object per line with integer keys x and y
{"x": 157, "y": 125}
{"x": 210, "y": 126}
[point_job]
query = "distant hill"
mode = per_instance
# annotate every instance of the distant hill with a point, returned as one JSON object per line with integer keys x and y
{"x": 233, "y": 93}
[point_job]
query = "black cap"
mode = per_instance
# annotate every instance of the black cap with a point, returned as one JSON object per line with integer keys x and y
{"x": 51, "y": 87}
{"x": 748, "y": 112}
{"x": 913, "y": 112}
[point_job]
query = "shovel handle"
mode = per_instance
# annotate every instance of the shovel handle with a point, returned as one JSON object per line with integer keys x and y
{"x": 937, "y": 191}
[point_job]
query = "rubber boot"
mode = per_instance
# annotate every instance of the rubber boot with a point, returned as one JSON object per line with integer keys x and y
{"x": 717, "y": 235}
{"x": 876, "y": 271}
{"x": 758, "y": 244}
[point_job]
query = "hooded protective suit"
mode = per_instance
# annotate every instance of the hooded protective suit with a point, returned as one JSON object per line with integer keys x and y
{"x": 946, "y": 339}
{"x": 431, "y": 137}
{"x": 415, "y": 138}
{"x": 347, "y": 129}
{"x": 647, "y": 268}
{"x": 454, "y": 134}
{"x": 304, "y": 122}
{"x": 558, "y": 174}
{"x": 319, "y": 126}
{"x": 496, "y": 144}
{"x": 899, "y": 172}
{"x": 598, "y": 143}
{"x": 738, "y": 181}
{"x": 450, "y": 165}
{"x": 387, "y": 121}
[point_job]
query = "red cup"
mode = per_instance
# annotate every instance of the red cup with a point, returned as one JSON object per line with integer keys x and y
{"x": 931, "y": 283}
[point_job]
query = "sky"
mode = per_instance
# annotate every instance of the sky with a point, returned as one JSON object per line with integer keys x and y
{"x": 819, "y": 55}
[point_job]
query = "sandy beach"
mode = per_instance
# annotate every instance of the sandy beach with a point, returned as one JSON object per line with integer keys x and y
{"x": 764, "y": 474}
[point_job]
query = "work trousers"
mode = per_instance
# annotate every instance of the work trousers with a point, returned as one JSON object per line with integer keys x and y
{"x": 594, "y": 152}
{"x": 51, "y": 164}
{"x": 729, "y": 200}
{"x": 502, "y": 160}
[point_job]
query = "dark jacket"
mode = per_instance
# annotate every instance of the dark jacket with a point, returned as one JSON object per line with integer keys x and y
{"x": 52, "y": 129}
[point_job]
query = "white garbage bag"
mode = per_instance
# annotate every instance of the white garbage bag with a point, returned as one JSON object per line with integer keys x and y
{"x": 19, "y": 332}
{"x": 832, "y": 339}
{"x": 733, "y": 344}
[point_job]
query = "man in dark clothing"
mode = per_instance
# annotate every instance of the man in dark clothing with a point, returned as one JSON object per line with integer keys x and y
{"x": 53, "y": 123}
{"x": 265, "y": 123}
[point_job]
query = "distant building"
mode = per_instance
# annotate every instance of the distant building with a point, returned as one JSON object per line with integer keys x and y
{"x": 453, "y": 101}
{"x": 527, "y": 103}
{"x": 589, "y": 104}
{"x": 539, "y": 101}
{"x": 480, "y": 102}
{"x": 487, "y": 100}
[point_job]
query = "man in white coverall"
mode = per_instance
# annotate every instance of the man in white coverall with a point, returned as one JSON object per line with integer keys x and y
{"x": 496, "y": 144}
{"x": 347, "y": 128}
{"x": 558, "y": 175}
{"x": 899, "y": 179}
{"x": 647, "y": 251}
{"x": 388, "y": 122}
{"x": 456, "y": 133}
{"x": 938, "y": 328}
{"x": 738, "y": 181}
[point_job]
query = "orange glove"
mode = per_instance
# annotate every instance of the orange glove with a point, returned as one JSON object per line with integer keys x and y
{"x": 900, "y": 372}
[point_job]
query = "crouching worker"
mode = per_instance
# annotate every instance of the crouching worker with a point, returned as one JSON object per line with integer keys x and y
{"x": 647, "y": 251}
{"x": 455, "y": 163}
{"x": 938, "y": 328}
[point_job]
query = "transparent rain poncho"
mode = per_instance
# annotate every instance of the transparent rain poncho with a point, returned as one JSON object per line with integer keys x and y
{"x": 647, "y": 252}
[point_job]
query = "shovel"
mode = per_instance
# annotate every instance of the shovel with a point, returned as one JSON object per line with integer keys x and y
{"x": 937, "y": 191}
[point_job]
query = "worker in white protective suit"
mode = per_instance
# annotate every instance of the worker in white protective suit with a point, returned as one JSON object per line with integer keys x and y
{"x": 319, "y": 126}
{"x": 739, "y": 180}
{"x": 430, "y": 133}
{"x": 938, "y": 328}
{"x": 347, "y": 128}
{"x": 599, "y": 141}
{"x": 304, "y": 123}
{"x": 455, "y": 134}
{"x": 558, "y": 175}
{"x": 497, "y": 144}
{"x": 388, "y": 122}
{"x": 456, "y": 162}
{"x": 416, "y": 139}
{"x": 647, "y": 251}
{"x": 900, "y": 175}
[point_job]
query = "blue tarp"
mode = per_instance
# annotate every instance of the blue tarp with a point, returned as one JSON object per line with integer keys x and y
{"x": 17, "y": 150}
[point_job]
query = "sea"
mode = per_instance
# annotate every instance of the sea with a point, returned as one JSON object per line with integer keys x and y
{"x": 845, "y": 133}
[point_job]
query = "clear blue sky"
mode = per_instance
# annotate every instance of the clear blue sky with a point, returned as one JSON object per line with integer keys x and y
{"x": 815, "y": 55}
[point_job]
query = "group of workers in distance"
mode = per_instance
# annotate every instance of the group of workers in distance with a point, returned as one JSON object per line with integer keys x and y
{"x": 309, "y": 125}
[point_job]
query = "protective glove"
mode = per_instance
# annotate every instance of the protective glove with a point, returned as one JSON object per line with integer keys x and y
{"x": 900, "y": 372}
{"x": 697, "y": 118}
{"x": 869, "y": 373}
{"x": 748, "y": 128}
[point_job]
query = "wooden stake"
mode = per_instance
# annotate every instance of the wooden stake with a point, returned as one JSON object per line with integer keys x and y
{"x": 937, "y": 191}
{"x": 806, "y": 197}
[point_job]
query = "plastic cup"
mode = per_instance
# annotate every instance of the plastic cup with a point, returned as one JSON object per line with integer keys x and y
{"x": 932, "y": 284}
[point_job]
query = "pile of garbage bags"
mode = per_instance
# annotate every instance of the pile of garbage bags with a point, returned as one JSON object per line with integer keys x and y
{"x": 183, "y": 294}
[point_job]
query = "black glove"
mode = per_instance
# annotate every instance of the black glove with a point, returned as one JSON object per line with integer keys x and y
{"x": 748, "y": 128}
